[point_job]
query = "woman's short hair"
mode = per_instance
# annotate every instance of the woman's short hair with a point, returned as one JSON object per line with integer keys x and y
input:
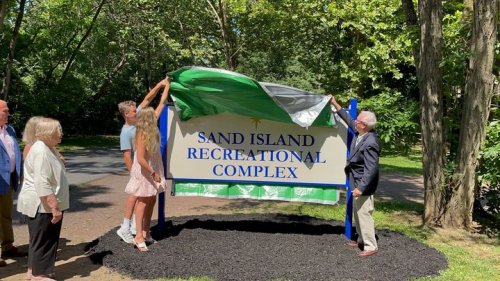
{"x": 29, "y": 129}
{"x": 46, "y": 128}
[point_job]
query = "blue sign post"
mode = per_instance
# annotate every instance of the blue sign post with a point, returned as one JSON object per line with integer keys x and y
{"x": 353, "y": 111}
{"x": 163, "y": 149}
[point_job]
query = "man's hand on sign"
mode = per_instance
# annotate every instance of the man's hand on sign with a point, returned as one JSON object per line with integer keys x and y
{"x": 356, "y": 192}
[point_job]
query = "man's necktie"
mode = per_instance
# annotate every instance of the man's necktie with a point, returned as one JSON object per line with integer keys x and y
{"x": 358, "y": 140}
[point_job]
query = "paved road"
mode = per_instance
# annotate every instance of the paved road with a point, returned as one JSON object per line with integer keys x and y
{"x": 90, "y": 164}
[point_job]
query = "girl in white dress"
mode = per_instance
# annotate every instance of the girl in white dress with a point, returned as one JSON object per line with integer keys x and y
{"x": 146, "y": 174}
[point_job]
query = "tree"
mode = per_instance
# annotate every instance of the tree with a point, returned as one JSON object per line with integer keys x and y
{"x": 82, "y": 40}
{"x": 222, "y": 17}
{"x": 448, "y": 200}
{"x": 12, "y": 49}
{"x": 431, "y": 100}
{"x": 480, "y": 85}
{"x": 75, "y": 66}
{"x": 4, "y": 4}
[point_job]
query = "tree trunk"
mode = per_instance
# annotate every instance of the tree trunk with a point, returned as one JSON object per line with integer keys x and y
{"x": 479, "y": 90}
{"x": 77, "y": 49}
{"x": 431, "y": 105}
{"x": 228, "y": 42}
{"x": 412, "y": 22}
{"x": 3, "y": 11}
{"x": 468, "y": 9}
{"x": 12, "y": 49}
{"x": 109, "y": 80}
{"x": 49, "y": 75}
{"x": 185, "y": 40}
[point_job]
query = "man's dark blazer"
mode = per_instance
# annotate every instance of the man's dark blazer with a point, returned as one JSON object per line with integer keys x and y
{"x": 362, "y": 163}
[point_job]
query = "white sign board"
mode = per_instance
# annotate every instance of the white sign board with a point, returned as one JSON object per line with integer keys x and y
{"x": 227, "y": 147}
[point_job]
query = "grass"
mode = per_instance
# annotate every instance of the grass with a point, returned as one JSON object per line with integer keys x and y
{"x": 409, "y": 164}
{"x": 471, "y": 256}
{"x": 393, "y": 163}
{"x": 84, "y": 142}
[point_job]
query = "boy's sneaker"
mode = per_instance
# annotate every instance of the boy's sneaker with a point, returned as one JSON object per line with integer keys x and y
{"x": 125, "y": 235}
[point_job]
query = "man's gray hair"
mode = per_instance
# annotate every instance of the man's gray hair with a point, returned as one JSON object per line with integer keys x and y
{"x": 369, "y": 119}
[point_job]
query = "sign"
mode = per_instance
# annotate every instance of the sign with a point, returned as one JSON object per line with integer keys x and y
{"x": 232, "y": 148}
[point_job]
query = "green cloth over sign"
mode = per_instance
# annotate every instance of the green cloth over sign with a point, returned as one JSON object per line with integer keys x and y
{"x": 312, "y": 194}
{"x": 200, "y": 91}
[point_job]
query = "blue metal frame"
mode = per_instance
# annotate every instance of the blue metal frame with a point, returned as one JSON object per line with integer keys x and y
{"x": 353, "y": 109}
{"x": 163, "y": 149}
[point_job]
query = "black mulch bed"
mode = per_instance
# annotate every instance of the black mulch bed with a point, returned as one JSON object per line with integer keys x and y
{"x": 265, "y": 247}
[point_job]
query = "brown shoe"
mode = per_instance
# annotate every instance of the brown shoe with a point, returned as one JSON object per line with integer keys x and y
{"x": 367, "y": 253}
{"x": 2, "y": 263}
{"x": 352, "y": 243}
{"x": 13, "y": 252}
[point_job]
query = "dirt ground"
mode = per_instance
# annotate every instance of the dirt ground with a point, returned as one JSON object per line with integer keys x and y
{"x": 97, "y": 207}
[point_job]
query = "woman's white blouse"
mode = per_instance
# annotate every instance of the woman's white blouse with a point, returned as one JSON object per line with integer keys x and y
{"x": 44, "y": 174}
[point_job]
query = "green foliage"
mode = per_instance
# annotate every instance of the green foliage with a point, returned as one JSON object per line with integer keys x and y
{"x": 351, "y": 49}
{"x": 488, "y": 174}
{"x": 397, "y": 119}
{"x": 456, "y": 31}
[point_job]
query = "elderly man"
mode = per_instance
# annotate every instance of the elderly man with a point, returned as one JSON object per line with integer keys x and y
{"x": 362, "y": 170}
{"x": 10, "y": 173}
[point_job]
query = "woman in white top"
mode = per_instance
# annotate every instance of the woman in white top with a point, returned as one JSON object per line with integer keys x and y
{"x": 43, "y": 198}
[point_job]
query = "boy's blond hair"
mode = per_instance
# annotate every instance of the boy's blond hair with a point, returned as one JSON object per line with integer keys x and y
{"x": 124, "y": 106}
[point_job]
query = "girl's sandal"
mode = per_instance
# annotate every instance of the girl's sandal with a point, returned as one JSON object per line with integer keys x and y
{"x": 149, "y": 240}
{"x": 141, "y": 246}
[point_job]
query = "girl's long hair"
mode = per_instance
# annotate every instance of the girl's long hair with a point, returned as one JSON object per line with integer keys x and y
{"x": 146, "y": 126}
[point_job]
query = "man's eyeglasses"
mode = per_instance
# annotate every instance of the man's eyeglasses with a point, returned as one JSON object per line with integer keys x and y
{"x": 359, "y": 121}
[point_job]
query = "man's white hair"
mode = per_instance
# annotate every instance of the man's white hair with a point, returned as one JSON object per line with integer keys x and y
{"x": 369, "y": 119}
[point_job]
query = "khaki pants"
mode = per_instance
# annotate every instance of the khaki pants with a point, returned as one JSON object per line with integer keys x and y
{"x": 6, "y": 205}
{"x": 365, "y": 226}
